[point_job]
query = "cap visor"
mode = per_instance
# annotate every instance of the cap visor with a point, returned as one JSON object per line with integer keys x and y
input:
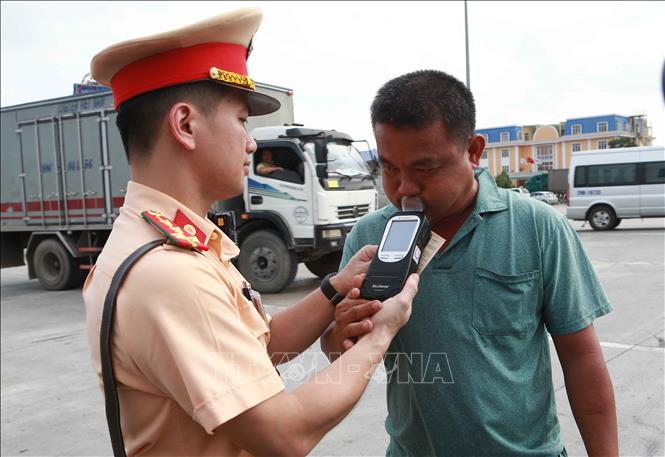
{"x": 258, "y": 103}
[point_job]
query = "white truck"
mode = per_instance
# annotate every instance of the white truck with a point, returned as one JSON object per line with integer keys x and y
{"x": 303, "y": 212}
{"x": 64, "y": 176}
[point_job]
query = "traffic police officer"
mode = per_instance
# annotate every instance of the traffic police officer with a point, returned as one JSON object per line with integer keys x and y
{"x": 191, "y": 352}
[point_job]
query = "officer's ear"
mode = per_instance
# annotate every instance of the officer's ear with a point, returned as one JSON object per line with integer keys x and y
{"x": 184, "y": 120}
{"x": 475, "y": 147}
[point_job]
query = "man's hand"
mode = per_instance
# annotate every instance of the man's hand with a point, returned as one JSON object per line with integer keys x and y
{"x": 358, "y": 264}
{"x": 352, "y": 316}
{"x": 353, "y": 323}
{"x": 355, "y": 317}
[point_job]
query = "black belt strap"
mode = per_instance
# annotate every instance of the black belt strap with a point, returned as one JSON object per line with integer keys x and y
{"x": 108, "y": 377}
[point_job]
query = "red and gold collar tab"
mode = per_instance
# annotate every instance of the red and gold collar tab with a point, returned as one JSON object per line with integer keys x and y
{"x": 180, "y": 232}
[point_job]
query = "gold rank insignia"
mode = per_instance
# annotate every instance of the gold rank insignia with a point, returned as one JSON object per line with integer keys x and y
{"x": 180, "y": 232}
{"x": 232, "y": 78}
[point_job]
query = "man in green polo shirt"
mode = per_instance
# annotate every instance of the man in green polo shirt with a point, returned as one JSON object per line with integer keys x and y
{"x": 470, "y": 373}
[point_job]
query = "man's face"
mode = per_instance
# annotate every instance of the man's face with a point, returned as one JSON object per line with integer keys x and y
{"x": 226, "y": 146}
{"x": 427, "y": 163}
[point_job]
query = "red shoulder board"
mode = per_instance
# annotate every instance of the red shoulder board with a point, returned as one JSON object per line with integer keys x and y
{"x": 174, "y": 233}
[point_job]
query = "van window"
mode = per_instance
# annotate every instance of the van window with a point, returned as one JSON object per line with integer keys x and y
{"x": 654, "y": 172}
{"x": 612, "y": 175}
{"x": 624, "y": 174}
{"x": 580, "y": 177}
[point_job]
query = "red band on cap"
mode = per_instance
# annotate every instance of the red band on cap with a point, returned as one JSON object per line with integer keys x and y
{"x": 175, "y": 67}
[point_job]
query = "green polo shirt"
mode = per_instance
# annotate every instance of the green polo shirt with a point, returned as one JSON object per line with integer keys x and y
{"x": 470, "y": 373}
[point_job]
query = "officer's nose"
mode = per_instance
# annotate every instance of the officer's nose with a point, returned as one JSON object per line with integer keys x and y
{"x": 250, "y": 146}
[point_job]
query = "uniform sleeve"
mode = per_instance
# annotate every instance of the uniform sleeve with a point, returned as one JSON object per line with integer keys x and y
{"x": 187, "y": 336}
{"x": 573, "y": 294}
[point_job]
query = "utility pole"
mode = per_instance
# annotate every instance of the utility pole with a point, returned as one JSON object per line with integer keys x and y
{"x": 466, "y": 36}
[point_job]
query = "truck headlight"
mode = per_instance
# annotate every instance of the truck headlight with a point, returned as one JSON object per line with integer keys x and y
{"x": 331, "y": 233}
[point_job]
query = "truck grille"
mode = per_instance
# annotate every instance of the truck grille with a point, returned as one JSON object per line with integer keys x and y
{"x": 352, "y": 211}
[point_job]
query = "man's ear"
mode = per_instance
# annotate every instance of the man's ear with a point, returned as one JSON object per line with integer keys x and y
{"x": 183, "y": 120}
{"x": 476, "y": 146}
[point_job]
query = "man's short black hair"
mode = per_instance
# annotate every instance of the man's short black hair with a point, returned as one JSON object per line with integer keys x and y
{"x": 419, "y": 98}
{"x": 139, "y": 119}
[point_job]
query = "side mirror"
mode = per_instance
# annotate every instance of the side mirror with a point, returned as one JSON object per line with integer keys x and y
{"x": 321, "y": 170}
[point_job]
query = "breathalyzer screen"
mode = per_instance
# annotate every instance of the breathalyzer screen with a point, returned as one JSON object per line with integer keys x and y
{"x": 399, "y": 235}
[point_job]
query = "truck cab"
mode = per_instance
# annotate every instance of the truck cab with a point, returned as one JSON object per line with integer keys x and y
{"x": 305, "y": 190}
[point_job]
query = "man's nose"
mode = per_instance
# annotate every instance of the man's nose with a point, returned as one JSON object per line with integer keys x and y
{"x": 409, "y": 187}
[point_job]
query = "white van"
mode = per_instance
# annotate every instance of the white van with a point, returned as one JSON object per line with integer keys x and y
{"x": 607, "y": 185}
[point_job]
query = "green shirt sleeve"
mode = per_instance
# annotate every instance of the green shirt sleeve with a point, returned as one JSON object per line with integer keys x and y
{"x": 350, "y": 247}
{"x": 573, "y": 294}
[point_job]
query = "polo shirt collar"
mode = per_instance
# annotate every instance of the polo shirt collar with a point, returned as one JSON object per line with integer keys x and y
{"x": 488, "y": 199}
{"x": 141, "y": 198}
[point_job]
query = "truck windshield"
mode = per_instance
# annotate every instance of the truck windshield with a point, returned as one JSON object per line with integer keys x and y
{"x": 345, "y": 160}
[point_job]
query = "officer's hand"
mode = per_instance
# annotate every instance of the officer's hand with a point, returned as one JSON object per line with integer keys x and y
{"x": 396, "y": 310}
{"x": 358, "y": 264}
{"x": 352, "y": 315}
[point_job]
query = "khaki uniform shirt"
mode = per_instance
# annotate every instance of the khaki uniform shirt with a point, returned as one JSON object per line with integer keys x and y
{"x": 189, "y": 351}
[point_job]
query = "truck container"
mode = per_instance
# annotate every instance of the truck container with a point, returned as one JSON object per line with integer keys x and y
{"x": 553, "y": 180}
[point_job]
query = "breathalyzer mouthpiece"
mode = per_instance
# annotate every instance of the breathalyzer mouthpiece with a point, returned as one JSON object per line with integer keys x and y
{"x": 413, "y": 204}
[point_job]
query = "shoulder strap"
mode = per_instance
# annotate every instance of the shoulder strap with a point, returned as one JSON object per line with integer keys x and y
{"x": 108, "y": 377}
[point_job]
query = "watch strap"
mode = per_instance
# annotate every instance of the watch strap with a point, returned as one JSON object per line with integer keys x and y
{"x": 327, "y": 288}
{"x": 336, "y": 299}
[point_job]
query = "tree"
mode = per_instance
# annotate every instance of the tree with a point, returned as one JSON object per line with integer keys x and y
{"x": 503, "y": 180}
{"x": 622, "y": 142}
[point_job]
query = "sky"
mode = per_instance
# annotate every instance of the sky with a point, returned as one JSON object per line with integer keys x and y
{"x": 530, "y": 62}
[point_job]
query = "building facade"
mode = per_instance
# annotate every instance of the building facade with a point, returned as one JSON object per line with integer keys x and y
{"x": 530, "y": 149}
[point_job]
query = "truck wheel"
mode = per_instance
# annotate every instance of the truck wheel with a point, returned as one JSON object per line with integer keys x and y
{"x": 266, "y": 262}
{"x": 326, "y": 264}
{"x": 54, "y": 267}
{"x": 602, "y": 218}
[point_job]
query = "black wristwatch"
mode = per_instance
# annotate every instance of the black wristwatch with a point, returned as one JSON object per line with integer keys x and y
{"x": 329, "y": 291}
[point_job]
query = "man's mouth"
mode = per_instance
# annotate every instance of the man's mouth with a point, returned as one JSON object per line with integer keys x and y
{"x": 412, "y": 204}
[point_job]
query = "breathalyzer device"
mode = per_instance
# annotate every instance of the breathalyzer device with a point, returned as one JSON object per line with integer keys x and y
{"x": 405, "y": 236}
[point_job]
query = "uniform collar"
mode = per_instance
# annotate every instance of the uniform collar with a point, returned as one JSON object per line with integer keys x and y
{"x": 141, "y": 198}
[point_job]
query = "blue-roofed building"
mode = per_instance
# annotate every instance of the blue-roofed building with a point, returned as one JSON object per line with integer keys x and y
{"x": 529, "y": 149}
{"x": 501, "y": 134}
{"x": 609, "y": 123}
